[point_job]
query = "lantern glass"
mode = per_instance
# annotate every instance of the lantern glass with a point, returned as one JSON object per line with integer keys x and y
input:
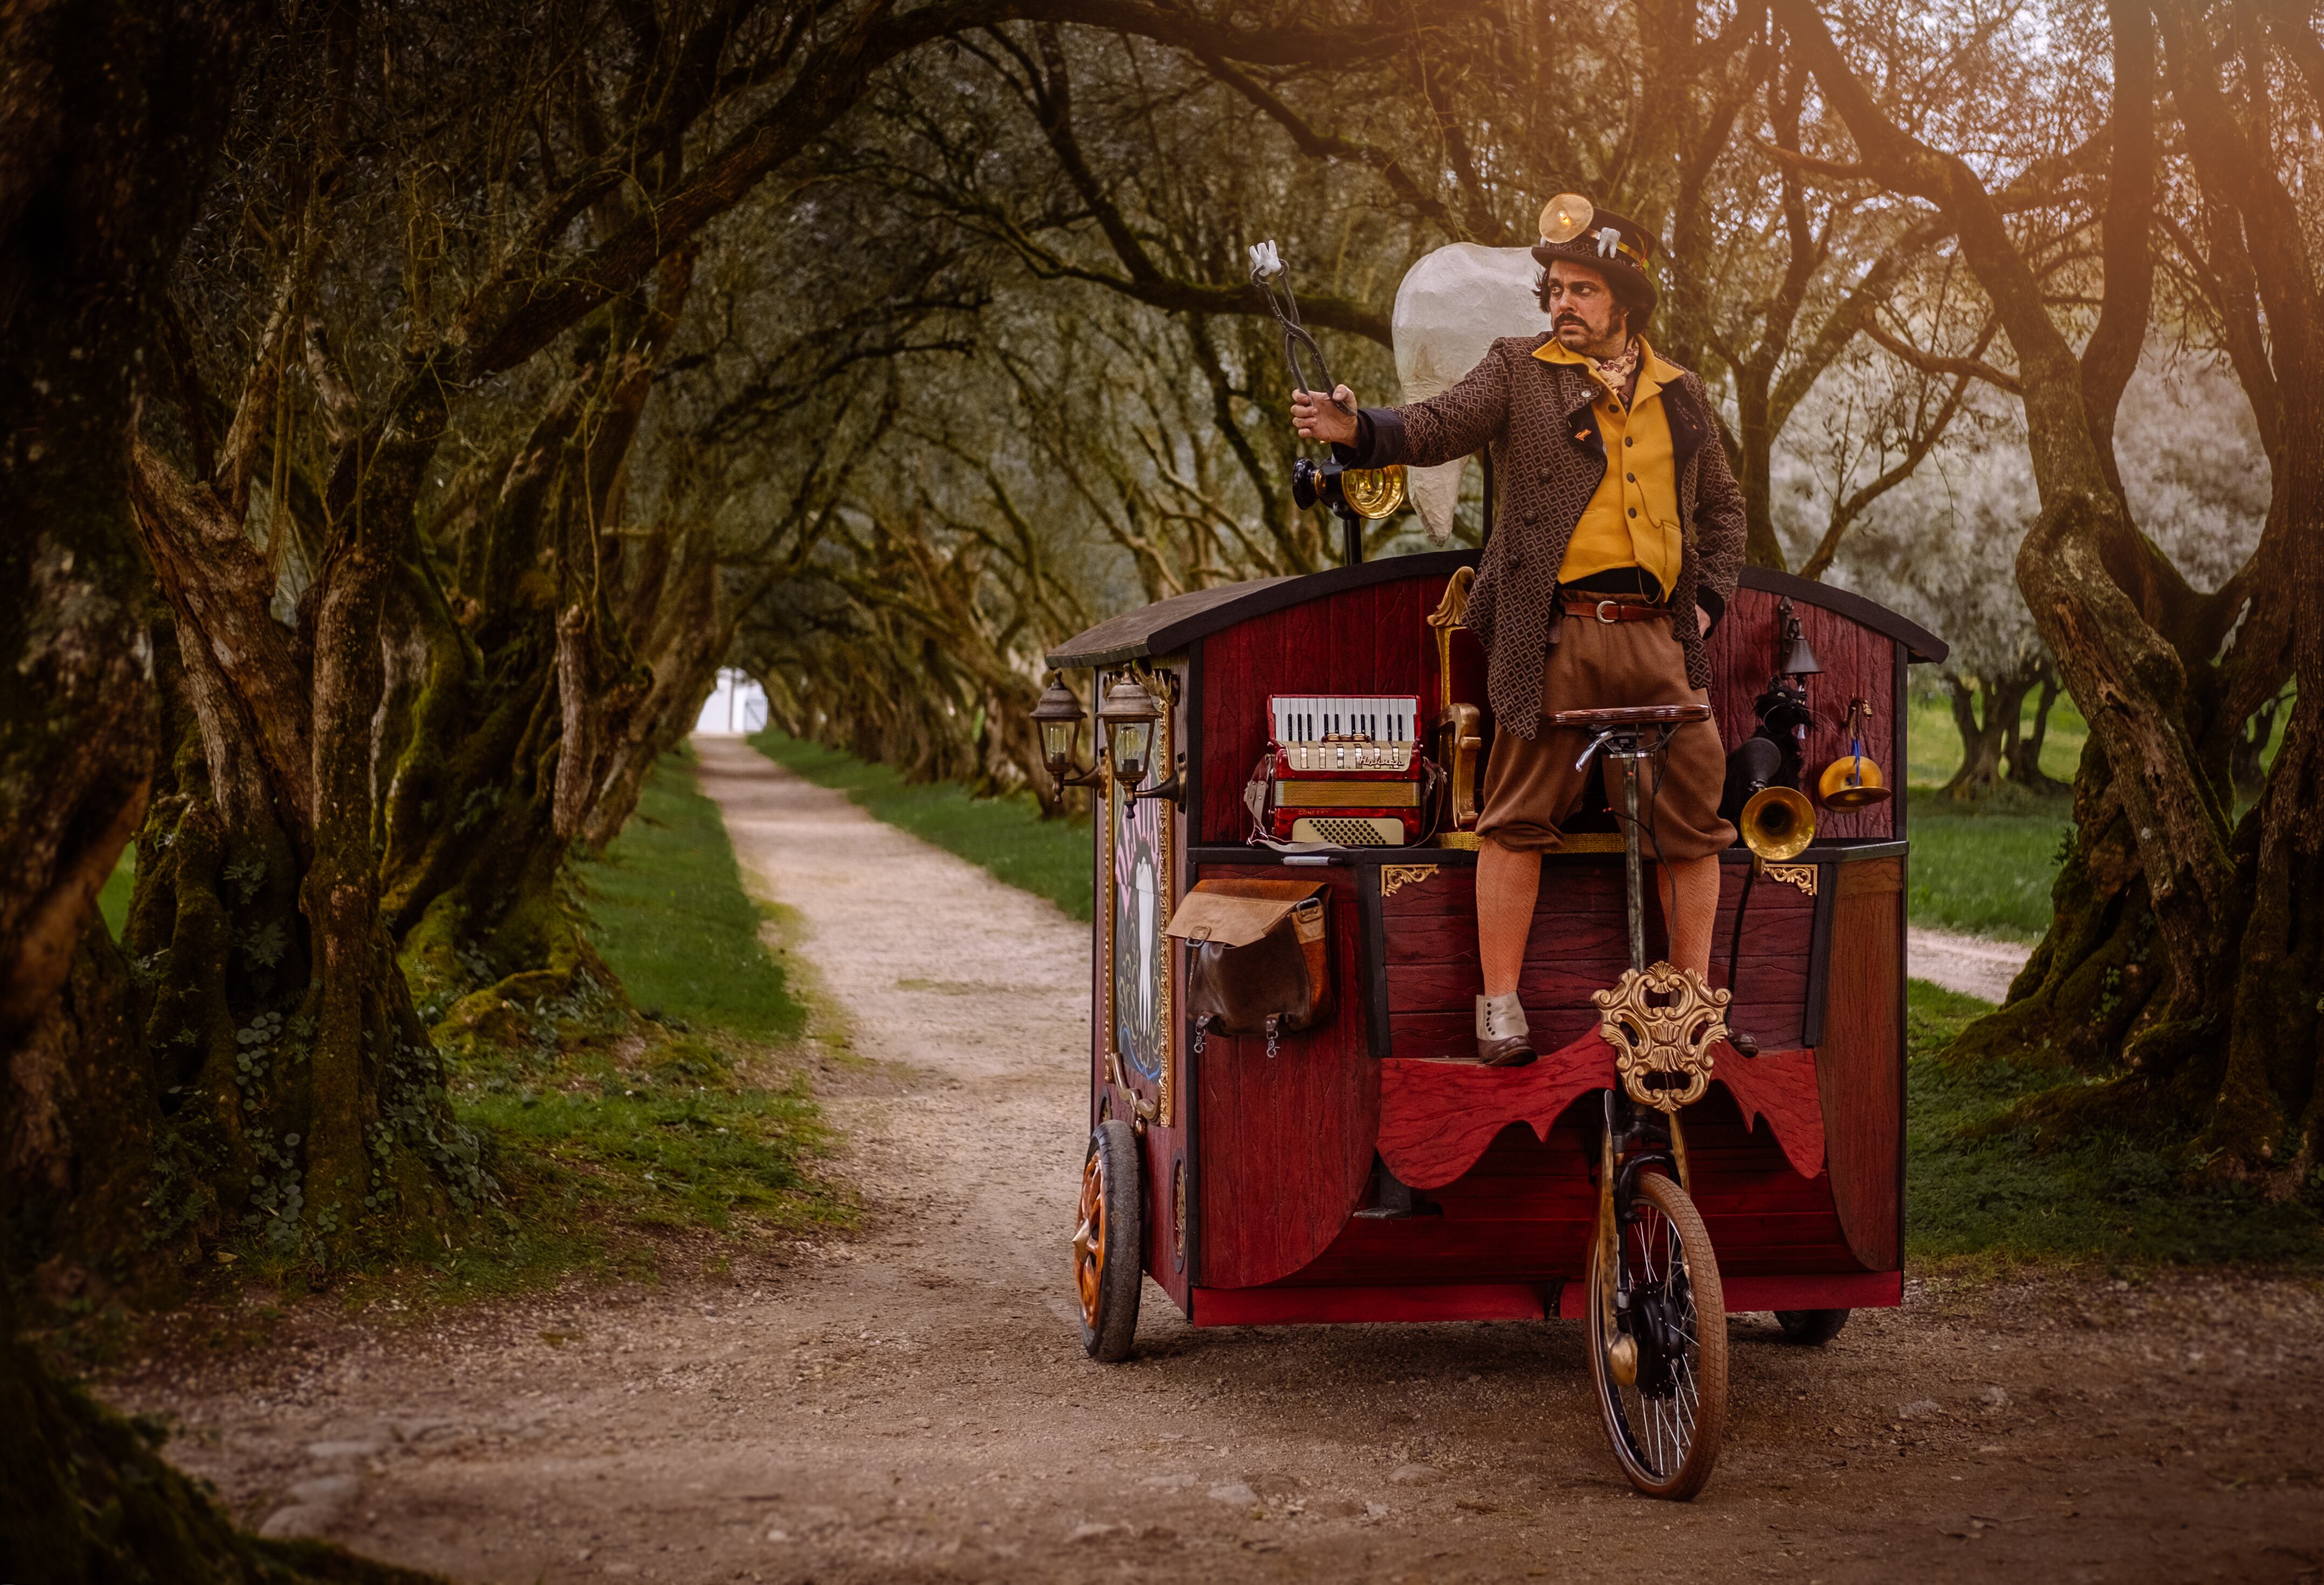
{"x": 1133, "y": 747}
{"x": 1128, "y": 715}
{"x": 1060, "y": 716}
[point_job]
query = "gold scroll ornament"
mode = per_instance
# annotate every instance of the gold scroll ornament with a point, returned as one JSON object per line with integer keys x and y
{"x": 1459, "y": 728}
{"x": 1662, "y": 1022}
{"x": 1395, "y": 877}
{"x": 1803, "y": 876}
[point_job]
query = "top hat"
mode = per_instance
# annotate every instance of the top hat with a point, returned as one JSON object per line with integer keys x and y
{"x": 1615, "y": 245}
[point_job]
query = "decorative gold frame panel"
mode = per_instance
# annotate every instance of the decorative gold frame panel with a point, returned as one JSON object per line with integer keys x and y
{"x": 1163, "y": 1109}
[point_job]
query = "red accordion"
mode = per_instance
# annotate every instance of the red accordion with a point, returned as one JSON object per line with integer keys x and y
{"x": 1344, "y": 769}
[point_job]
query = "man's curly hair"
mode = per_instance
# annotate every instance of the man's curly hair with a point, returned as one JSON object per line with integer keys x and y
{"x": 1637, "y": 312}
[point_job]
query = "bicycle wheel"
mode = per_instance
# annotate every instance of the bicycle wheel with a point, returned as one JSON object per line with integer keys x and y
{"x": 1666, "y": 1421}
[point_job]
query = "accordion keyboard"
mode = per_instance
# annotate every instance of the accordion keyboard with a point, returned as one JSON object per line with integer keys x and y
{"x": 1301, "y": 720}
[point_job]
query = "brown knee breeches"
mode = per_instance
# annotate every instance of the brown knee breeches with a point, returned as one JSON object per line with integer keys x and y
{"x": 1531, "y": 786}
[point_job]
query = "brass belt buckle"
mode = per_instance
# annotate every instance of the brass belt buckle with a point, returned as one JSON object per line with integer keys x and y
{"x": 1605, "y": 605}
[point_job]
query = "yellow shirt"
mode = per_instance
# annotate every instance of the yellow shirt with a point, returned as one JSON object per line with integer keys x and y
{"x": 1632, "y": 519}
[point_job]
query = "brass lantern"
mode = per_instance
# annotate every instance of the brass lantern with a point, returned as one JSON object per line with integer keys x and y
{"x": 1058, "y": 715}
{"x": 1128, "y": 717}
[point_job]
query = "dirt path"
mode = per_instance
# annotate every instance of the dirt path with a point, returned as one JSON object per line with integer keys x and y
{"x": 1970, "y": 964}
{"x": 913, "y": 1406}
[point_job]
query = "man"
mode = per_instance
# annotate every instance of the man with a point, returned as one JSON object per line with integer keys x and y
{"x": 1618, "y": 536}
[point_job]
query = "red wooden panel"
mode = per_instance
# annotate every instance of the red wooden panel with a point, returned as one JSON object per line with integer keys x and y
{"x": 1225, "y": 767}
{"x": 1560, "y": 985}
{"x": 1859, "y": 1068}
{"x": 1857, "y": 663}
{"x": 1525, "y": 1209}
{"x": 1571, "y": 885}
{"x": 1431, "y": 1249}
{"x": 1353, "y": 634}
{"x": 1286, "y": 1143}
{"x": 1579, "y": 944}
{"x": 1437, "y": 1118}
{"x": 1367, "y": 640}
{"x": 1327, "y": 1306}
{"x": 1444, "y": 1033}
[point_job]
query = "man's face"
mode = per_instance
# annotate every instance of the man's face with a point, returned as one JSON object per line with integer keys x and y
{"x": 1584, "y": 314}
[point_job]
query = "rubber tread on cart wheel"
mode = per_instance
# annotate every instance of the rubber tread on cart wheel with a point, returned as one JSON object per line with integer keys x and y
{"x": 1811, "y": 1328}
{"x": 1109, "y": 1245}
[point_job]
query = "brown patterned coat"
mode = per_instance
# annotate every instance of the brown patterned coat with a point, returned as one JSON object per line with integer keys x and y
{"x": 1548, "y": 459}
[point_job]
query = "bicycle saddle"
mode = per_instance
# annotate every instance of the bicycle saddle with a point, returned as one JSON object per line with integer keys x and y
{"x": 1631, "y": 716}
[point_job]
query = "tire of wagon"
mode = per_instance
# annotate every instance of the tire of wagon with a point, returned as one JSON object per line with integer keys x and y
{"x": 1109, "y": 1244}
{"x": 1811, "y": 1328}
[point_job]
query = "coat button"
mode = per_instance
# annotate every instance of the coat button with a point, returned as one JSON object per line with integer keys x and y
{"x": 1627, "y": 440}
{"x": 1634, "y": 512}
{"x": 1632, "y": 477}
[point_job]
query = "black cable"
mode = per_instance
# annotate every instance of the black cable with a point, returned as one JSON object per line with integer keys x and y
{"x": 1735, "y": 942}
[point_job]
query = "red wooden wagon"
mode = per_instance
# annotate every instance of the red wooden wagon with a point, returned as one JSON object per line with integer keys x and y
{"x": 1355, "y": 1175}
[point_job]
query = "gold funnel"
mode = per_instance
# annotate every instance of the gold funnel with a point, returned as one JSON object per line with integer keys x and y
{"x": 1778, "y": 824}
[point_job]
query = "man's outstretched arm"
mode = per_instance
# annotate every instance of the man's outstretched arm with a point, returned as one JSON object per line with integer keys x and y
{"x": 1442, "y": 429}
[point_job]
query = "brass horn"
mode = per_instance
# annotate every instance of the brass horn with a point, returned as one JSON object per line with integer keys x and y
{"x": 1374, "y": 492}
{"x": 1778, "y": 824}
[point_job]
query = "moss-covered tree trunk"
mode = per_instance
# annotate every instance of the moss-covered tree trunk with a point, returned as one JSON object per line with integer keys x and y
{"x": 526, "y": 723}
{"x": 2182, "y": 962}
{"x": 110, "y": 115}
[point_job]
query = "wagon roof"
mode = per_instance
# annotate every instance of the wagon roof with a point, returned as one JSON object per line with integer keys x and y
{"x": 1168, "y": 626}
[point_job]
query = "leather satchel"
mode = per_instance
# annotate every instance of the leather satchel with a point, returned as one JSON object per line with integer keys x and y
{"x": 1258, "y": 956}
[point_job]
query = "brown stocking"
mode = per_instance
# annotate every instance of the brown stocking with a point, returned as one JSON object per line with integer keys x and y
{"x": 1507, "y": 882}
{"x": 1690, "y": 898}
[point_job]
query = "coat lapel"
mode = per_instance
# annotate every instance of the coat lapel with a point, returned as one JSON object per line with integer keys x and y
{"x": 1690, "y": 426}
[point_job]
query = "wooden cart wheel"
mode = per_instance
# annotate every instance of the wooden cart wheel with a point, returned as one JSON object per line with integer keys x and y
{"x": 1108, "y": 1254}
{"x": 1811, "y": 1328}
{"x": 1666, "y": 1421}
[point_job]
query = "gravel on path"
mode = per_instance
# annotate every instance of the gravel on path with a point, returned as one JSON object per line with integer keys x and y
{"x": 912, "y": 1404}
{"x": 1970, "y": 964}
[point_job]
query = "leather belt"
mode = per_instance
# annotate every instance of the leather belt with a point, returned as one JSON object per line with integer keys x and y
{"x": 1616, "y": 610}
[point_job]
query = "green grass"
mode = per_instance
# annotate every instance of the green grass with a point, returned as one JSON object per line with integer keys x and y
{"x": 1994, "y": 1197}
{"x": 1936, "y": 746}
{"x": 1984, "y": 869}
{"x": 669, "y": 914}
{"x": 1006, "y": 835}
{"x": 608, "y": 1132}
